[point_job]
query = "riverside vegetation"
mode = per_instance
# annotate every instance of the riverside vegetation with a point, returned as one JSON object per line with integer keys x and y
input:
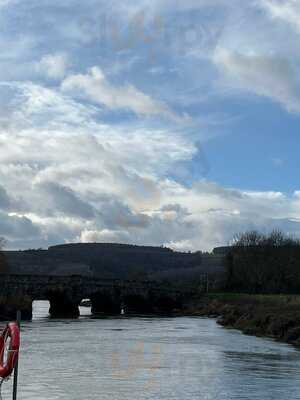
{"x": 275, "y": 316}
{"x": 262, "y": 288}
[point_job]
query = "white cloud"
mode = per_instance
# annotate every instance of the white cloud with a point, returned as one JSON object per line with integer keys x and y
{"x": 53, "y": 66}
{"x": 287, "y": 11}
{"x": 96, "y": 87}
{"x": 71, "y": 178}
{"x": 268, "y": 76}
{"x": 70, "y": 181}
{"x": 103, "y": 236}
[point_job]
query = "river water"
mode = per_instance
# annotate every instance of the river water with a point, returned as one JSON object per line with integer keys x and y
{"x": 150, "y": 358}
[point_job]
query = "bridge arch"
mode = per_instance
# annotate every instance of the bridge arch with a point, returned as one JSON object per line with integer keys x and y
{"x": 40, "y": 309}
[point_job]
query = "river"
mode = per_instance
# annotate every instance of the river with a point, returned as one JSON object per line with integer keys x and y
{"x": 150, "y": 358}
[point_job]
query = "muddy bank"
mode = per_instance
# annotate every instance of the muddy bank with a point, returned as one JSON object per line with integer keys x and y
{"x": 272, "y": 316}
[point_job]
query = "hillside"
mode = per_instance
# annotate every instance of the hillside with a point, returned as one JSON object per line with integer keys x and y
{"x": 108, "y": 260}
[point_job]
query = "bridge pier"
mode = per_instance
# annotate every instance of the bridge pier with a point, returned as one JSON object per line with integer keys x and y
{"x": 63, "y": 305}
{"x": 137, "y": 304}
{"x": 106, "y": 303}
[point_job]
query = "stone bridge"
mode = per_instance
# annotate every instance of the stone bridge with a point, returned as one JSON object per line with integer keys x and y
{"x": 64, "y": 293}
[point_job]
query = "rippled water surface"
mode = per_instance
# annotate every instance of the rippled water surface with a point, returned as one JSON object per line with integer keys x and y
{"x": 150, "y": 358}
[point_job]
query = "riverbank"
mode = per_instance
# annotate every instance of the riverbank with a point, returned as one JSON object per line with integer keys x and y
{"x": 276, "y": 316}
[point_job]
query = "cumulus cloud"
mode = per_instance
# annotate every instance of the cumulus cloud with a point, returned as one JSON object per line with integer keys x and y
{"x": 269, "y": 76}
{"x": 53, "y": 65}
{"x": 99, "y": 209}
{"x": 72, "y": 185}
{"x": 96, "y": 87}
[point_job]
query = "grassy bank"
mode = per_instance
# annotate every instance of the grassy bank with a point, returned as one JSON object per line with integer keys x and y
{"x": 276, "y": 316}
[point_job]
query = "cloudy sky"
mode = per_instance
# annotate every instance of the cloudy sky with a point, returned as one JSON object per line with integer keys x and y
{"x": 165, "y": 123}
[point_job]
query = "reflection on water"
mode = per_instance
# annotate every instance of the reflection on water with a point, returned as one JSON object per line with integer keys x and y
{"x": 150, "y": 358}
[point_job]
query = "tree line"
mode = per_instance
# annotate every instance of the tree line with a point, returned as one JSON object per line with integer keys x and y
{"x": 2, "y": 256}
{"x": 263, "y": 263}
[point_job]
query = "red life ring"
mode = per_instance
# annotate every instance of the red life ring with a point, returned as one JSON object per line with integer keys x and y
{"x": 8, "y": 363}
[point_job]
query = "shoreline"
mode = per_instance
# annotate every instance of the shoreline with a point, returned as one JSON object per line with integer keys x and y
{"x": 271, "y": 316}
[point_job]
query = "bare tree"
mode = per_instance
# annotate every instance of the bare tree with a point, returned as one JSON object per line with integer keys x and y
{"x": 264, "y": 263}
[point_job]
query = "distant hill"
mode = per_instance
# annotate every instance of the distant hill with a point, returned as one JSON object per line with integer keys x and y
{"x": 110, "y": 260}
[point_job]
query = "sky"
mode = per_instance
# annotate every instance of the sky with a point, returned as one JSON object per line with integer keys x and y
{"x": 158, "y": 122}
